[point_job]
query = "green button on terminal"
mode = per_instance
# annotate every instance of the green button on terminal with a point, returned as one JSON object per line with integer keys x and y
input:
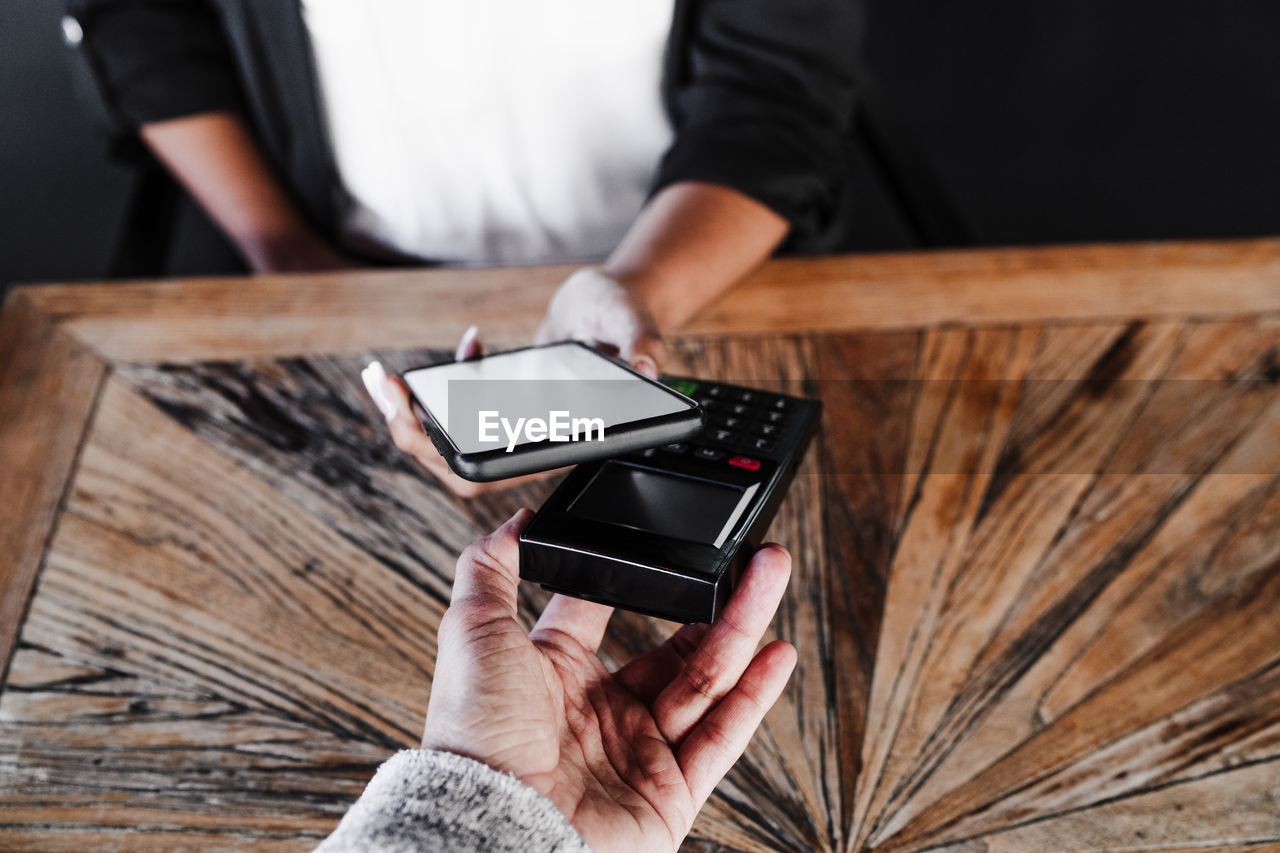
{"x": 686, "y": 387}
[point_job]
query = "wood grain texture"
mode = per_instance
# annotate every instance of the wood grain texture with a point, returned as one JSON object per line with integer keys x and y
{"x": 48, "y": 384}
{"x": 1039, "y": 620}
{"x": 1037, "y": 561}
{"x": 201, "y": 319}
{"x": 256, "y": 509}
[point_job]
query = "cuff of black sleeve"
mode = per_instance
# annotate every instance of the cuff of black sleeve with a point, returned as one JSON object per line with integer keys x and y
{"x": 163, "y": 66}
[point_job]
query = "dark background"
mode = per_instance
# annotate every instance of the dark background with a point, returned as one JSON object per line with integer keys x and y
{"x": 1038, "y": 122}
{"x": 1053, "y": 121}
{"x": 60, "y": 198}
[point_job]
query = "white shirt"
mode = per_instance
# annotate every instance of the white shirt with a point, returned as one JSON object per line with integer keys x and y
{"x": 492, "y": 131}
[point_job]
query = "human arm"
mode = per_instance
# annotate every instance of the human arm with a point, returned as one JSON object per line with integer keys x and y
{"x": 162, "y": 72}
{"x": 216, "y": 158}
{"x": 629, "y": 756}
{"x": 762, "y": 97}
{"x": 692, "y": 242}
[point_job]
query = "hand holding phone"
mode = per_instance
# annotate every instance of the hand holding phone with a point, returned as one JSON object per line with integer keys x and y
{"x": 392, "y": 398}
{"x": 535, "y": 409}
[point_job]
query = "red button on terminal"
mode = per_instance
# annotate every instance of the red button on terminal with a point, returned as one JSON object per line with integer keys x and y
{"x": 746, "y": 462}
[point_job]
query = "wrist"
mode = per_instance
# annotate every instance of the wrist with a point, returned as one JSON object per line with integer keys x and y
{"x": 648, "y": 294}
{"x": 595, "y": 307}
{"x": 285, "y": 251}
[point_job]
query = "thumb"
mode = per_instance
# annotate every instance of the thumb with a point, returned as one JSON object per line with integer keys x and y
{"x": 488, "y": 571}
{"x": 647, "y": 355}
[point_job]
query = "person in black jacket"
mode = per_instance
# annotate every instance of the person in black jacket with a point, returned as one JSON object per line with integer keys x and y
{"x": 249, "y": 104}
{"x": 759, "y": 95}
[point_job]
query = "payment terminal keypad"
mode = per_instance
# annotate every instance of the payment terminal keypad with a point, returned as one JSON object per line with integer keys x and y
{"x": 744, "y": 426}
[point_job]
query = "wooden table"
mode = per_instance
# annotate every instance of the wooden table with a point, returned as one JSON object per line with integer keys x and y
{"x": 1037, "y": 579}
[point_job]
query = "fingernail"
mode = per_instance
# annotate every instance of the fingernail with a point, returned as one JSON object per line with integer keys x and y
{"x": 468, "y": 338}
{"x": 646, "y": 365}
{"x": 375, "y": 382}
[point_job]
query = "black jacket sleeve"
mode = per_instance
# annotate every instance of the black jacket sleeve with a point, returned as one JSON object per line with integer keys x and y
{"x": 153, "y": 60}
{"x": 761, "y": 93}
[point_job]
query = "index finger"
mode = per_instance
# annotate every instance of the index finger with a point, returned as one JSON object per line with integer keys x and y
{"x": 715, "y": 666}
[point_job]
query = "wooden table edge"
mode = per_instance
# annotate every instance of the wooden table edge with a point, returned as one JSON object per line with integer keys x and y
{"x": 264, "y": 316}
{"x": 49, "y": 385}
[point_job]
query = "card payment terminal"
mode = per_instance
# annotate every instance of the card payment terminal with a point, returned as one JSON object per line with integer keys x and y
{"x": 667, "y": 531}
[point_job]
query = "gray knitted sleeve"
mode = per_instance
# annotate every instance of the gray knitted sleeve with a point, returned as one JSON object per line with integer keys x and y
{"x": 422, "y": 799}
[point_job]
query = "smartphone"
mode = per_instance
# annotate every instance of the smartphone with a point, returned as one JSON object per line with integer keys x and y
{"x": 539, "y": 408}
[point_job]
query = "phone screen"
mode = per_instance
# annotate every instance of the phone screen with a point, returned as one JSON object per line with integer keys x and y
{"x": 562, "y": 392}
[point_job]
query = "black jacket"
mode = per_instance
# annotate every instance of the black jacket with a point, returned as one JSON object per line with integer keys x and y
{"x": 761, "y": 94}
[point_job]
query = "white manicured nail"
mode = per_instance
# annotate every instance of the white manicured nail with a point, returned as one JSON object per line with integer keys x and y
{"x": 468, "y": 338}
{"x": 375, "y": 381}
{"x": 646, "y": 365}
